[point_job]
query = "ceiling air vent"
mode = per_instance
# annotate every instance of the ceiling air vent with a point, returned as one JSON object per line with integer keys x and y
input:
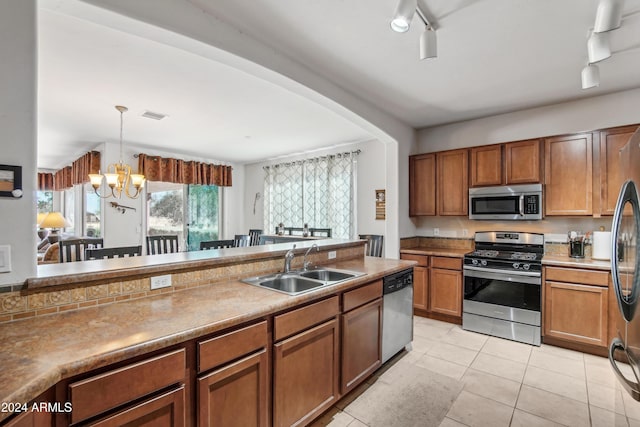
{"x": 154, "y": 116}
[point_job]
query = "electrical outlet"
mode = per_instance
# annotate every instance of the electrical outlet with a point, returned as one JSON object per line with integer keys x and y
{"x": 158, "y": 282}
{"x": 436, "y": 231}
{"x": 331, "y": 255}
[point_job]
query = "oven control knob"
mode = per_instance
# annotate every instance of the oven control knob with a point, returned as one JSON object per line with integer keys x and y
{"x": 526, "y": 266}
{"x": 483, "y": 262}
{"x": 474, "y": 261}
{"x": 516, "y": 265}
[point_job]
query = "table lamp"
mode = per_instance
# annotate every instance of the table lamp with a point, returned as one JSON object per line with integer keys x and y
{"x": 54, "y": 221}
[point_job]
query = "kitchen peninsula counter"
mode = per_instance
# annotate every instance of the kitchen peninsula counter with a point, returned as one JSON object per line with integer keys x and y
{"x": 39, "y": 352}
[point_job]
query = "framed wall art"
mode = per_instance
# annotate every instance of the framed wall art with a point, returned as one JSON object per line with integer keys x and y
{"x": 10, "y": 181}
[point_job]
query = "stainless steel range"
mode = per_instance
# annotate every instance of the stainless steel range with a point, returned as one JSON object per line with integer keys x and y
{"x": 502, "y": 286}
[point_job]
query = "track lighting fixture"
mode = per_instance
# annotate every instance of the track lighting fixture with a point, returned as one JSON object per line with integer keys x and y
{"x": 402, "y": 21}
{"x": 404, "y": 14}
{"x": 608, "y": 15}
{"x": 598, "y": 47}
{"x": 590, "y": 76}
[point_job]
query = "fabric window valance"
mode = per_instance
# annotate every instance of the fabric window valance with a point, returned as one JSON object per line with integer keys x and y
{"x": 156, "y": 168}
{"x": 67, "y": 177}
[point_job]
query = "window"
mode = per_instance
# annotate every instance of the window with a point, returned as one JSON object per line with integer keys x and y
{"x": 190, "y": 211}
{"x": 319, "y": 192}
{"x": 45, "y": 201}
{"x": 69, "y": 208}
{"x": 92, "y": 212}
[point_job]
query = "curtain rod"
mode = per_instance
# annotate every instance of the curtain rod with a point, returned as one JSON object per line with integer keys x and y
{"x": 311, "y": 159}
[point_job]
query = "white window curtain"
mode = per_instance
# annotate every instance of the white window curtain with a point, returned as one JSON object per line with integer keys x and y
{"x": 320, "y": 192}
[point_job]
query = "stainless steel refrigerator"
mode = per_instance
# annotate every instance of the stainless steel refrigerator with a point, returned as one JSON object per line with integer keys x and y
{"x": 624, "y": 351}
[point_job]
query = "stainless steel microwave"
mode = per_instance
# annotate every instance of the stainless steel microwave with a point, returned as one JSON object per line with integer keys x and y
{"x": 511, "y": 203}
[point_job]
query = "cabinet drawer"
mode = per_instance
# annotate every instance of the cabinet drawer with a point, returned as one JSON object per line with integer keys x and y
{"x": 233, "y": 345}
{"x": 361, "y": 296}
{"x": 575, "y": 275}
{"x": 298, "y": 320}
{"x": 106, "y": 391}
{"x": 446, "y": 262}
{"x": 423, "y": 260}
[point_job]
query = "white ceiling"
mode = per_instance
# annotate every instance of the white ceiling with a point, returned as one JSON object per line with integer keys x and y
{"x": 494, "y": 56}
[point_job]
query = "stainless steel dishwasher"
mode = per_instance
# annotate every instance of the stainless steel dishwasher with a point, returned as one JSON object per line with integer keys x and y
{"x": 397, "y": 313}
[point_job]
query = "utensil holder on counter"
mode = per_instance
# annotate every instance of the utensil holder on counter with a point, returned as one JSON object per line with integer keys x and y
{"x": 576, "y": 244}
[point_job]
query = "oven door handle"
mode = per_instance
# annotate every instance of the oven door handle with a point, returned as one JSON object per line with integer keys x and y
{"x": 529, "y": 277}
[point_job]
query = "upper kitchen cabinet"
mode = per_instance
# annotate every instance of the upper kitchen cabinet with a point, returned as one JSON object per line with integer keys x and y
{"x": 611, "y": 141}
{"x": 422, "y": 184}
{"x": 486, "y": 165}
{"x": 568, "y": 174}
{"x": 453, "y": 182}
{"x": 523, "y": 161}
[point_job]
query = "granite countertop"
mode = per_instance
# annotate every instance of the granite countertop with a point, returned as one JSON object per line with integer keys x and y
{"x": 39, "y": 352}
{"x": 566, "y": 261}
{"x": 448, "y": 252}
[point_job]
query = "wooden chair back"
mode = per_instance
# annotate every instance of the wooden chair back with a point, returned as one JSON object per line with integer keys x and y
{"x": 73, "y": 249}
{"x": 163, "y": 244}
{"x": 320, "y": 232}
{"x": 242, "y": 240}
{"x": 294, "y": 231}
{"x": 120, "y": 252}
{"x": 374, "y": 244}
{"x": 255, "y": 236}
{"x": 216, "y": 244}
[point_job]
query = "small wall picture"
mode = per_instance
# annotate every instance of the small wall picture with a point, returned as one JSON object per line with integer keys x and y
{"x": 10, "y": 181}
{"x": 380, "y": 204}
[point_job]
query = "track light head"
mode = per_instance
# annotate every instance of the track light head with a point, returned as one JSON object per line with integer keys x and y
{"x": 428, "y": 44}
{"x": 608, "y": 15}
{"x": 598, "y": 47}
{"x": 404, "y": 13}
{"x": 590, "y": 76}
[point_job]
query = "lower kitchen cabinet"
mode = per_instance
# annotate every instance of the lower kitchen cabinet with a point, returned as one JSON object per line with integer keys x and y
{"x": 31, "y": 419}
{"x": 576, "y": 306}
{"x": 361, "y": 338}
{"x": 445, "y": 292}
{"x": 420, "y": 282}
{"x": 236, "y": 395}
{"x": 166, "y": 410}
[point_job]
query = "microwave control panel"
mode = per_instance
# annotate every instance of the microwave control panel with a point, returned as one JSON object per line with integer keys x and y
{"x": 531, "y": 204}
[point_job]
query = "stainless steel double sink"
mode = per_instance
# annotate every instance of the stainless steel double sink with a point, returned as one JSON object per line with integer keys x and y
{"x": 300, "y": 281}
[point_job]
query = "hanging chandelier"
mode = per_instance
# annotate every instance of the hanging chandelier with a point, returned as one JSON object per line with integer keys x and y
{"x": 119, "y": 177}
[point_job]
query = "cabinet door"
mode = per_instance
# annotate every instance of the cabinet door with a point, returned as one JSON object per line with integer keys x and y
{"x": 361, "y": 343}
{"x": 486, "y": 165}
{"x": 420, "y": 288}
{"x": 453, "y": 182}
{"x": 166, "y": 410}
{"x": 576, "y": 312}
{"x": 31, "y": 419}
{"x": 523, "y": 162}
{"x": 611, "y": 141}
{"x": 306, "y": 374}
{"x": 568, "y": 175}
{"x": 422, "y": 185}
{"x": 445, "y": 292}
{"x": 235, "y": 395}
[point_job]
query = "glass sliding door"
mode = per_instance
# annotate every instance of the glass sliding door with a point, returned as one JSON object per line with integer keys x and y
{"x": 165, "y": 210}
{"x": 203, "y": 213}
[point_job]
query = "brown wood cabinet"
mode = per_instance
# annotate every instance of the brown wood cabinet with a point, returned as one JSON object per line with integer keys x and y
{"x": 422, "y": 185}
{"x": 420, "y": 282}
{"x": 237, "y": 391}
{"x": 486, "y": 165}
{"x": 568, "y": 175}
{"x": 453, "y": 182}
{"x": 576, "y": 306}
{"x": 361, "y": 343}
{"x": 306, "y": 366}
{"x": 523, "y": 161}
{"x": 31, "y": 419}
{"x": 445, "y": 287}
{"x": 611, "y": 141}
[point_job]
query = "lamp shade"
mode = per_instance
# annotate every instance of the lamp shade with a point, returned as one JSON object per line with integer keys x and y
{"x": 428, "y": 44}
{"x": 608, "y": 15}
{"x": 598, "y": 47}
{"x": 404, "y": 14}
{"x": 590, "y": 76}
{"x": 40, "y": 217}
{"x": 54, "y": 220}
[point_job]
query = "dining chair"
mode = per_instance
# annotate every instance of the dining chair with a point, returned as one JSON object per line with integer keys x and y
{"x": 73, "y": 249}
{"x": 120, "y": 252}
{"x": 374, "y": 244}
{"x": 255, "y": 236}
{"x": 216, "y": 244}
{"x": 163, "y": 244}
{"x": 320, "y": 232}
{"x": 294, "y": 231}
{"x": 242, "y": 240}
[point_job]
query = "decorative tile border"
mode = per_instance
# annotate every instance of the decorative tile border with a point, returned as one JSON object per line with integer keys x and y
{"x": 20, "y": 303}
